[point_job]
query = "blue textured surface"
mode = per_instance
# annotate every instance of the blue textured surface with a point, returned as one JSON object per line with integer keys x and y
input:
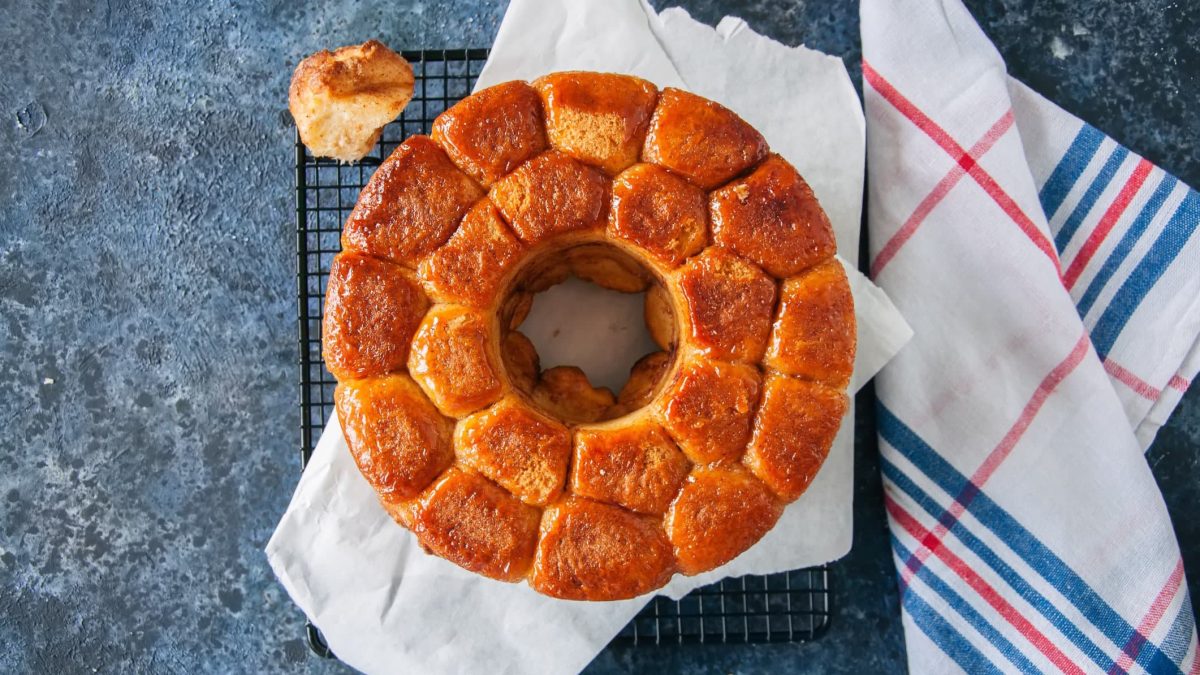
{"x": 147, "y": 316}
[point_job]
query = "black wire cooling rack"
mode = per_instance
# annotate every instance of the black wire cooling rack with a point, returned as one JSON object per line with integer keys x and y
{"x": 786, "y": 607}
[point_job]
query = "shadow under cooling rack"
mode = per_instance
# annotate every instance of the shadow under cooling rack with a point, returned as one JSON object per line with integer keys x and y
{"x": 786, "y": 607}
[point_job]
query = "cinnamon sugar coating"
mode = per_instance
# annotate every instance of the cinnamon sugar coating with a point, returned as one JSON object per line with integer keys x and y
{"x": 552, "y": 194}
{"x": 659, "y": 212}
{"x": 469, "y": 268}
{"x": 709, "y": 408}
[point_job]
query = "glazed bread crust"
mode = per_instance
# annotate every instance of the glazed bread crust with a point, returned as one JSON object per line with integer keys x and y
{"x": 519, "y": 473}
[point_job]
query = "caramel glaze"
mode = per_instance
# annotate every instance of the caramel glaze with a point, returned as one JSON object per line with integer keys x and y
{"x": 772, "y": 218}
{"x": 514, "y": 472}
{"x": 552, "y": 194}
{"x": 636, "y": 466}
{"x": 524, "y": 451}
{"x": 491, "y": 132}
{"x": 372, "y": 309}
{"x": 814, "y": 333}
{"x": 470, "y": 267}
{"x": 411, "y": 205}
{"x": 590, "y": 550}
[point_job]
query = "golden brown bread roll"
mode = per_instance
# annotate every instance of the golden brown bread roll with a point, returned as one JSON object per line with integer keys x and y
{"x": 372, "y": 309}
{"x": 814, "y": 333}
{"x": 566, "y": 392}
{"x": 399, "y": 440}
{"x": 469, "y": 268}
{"x": 451, "y": 358}
{"x": 550, "y": 195}
{"x": 729, "y": 303}
{"x": 342, "y": 99}
{"x": 796, "y": 423}
{"x": 518, "y": 473}
{"x": 411, "y": 205}
{"x": 592, "y": 551}
{"x": 636, "y": 466}
{"x": 659, "y": 212}
{"x": 643, "y": 383}
{"x": 709, "y": 407}
{"x": 492, "y": 132}
{"x": 701, "y": 140}
{"x": 719, "y": 499}
{"x": 597, "y": 118}
{"x": 477, "y": 525}
{"x": 523, "y": 450}
{"x": 772, "y": 218}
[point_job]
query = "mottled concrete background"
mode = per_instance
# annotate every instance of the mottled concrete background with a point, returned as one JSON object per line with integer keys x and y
{"x": 148, "y": 379}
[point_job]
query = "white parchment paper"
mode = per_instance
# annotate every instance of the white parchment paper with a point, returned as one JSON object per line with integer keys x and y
{"x": 383, "y": 604}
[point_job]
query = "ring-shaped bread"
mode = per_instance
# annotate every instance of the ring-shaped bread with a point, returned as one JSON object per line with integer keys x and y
{"x": 515, "y": 473}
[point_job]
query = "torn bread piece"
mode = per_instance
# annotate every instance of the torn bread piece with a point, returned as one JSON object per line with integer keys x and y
{"x": 342, "y": 99}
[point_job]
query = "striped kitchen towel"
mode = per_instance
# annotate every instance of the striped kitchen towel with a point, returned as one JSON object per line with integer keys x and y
{"x": 1123, "y": 230}
{"x": 1052, "y": 279}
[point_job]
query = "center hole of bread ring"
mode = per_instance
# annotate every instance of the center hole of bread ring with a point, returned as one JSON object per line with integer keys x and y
{"x": 586, "y": 333}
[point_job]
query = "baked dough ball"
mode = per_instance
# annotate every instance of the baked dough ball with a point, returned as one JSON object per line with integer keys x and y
{"x": 372, "y": 309}
{"x": 399, "y": 440}
{"x": 729, "y": 305}
{"x": 411, "y": 205}
{"x": 796, "y": 423}
{"x": 719, "y": 499}
{"x": 597, "y": 118}
{"x": 521, "y": 449}
{"x": 342, "y": 99}
{"x": 772, "y": 218}
{"x": 591, "y": 550}
{"x": 709, "y": 408}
